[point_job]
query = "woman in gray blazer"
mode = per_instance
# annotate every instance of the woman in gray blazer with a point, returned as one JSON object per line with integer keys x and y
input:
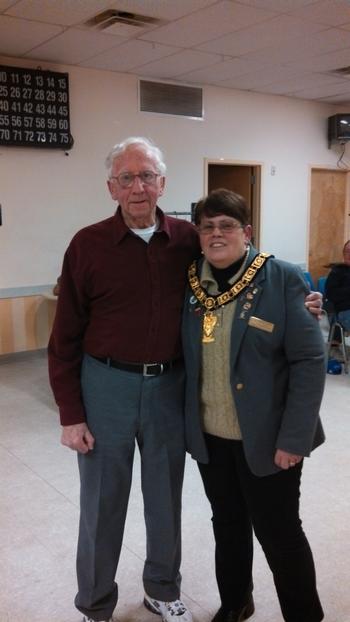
{"x": 255, "y": 368}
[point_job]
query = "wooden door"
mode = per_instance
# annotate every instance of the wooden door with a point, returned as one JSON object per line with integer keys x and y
{"x": 327, "y": 220}
{"x": 243, "y": 179}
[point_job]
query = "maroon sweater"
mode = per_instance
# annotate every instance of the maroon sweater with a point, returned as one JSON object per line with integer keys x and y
{"x": 119, "y": 297}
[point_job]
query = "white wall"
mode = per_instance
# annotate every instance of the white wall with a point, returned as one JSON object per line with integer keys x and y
{"x": 47, "y": 196}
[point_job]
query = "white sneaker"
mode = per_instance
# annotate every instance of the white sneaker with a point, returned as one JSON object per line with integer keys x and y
{"x": 173, "y": 611}
{"x": 85, "y": 619}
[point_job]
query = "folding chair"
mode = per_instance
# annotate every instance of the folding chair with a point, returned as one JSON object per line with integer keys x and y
{"x": 338, "y": 328}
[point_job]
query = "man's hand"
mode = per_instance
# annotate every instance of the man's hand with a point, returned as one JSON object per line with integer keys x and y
{"x": 77, "y": 437}
{"x": 313, "y": 303}
{"x": 285, "y": 460}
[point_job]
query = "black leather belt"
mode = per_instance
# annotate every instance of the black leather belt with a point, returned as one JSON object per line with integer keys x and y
{"x": 146, "y": 369}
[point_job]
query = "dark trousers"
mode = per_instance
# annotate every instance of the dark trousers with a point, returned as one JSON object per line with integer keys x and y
{"x": 241, "y": 501}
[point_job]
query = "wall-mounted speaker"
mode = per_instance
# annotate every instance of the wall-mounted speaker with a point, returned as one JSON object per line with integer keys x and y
{"x": 338, "y": 128}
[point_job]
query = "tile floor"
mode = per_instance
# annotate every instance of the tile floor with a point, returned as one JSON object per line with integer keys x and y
{"x": 39, "y": 514}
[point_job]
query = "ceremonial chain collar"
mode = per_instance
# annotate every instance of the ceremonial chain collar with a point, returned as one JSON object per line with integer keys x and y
{"x": 213, "y": 302}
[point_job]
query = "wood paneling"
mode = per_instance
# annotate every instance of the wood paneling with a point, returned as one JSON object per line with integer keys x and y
{"x": 25, "y": 323}
{"x": 6, "y": 326}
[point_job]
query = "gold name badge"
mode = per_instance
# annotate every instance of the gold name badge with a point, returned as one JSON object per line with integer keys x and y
{"x": 257, "y": 322}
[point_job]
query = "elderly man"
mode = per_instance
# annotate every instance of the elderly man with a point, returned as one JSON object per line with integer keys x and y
{"x": 116, "y": 370}
{"x": 117, "y": 375}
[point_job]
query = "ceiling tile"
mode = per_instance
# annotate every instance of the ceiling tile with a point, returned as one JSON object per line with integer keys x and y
{"x": 266, "y": 45}
{"x": 73, "y": 12}
{"x": 259, "y": 36}
{"x": 298, "y": 83}
{"x": 220, "y": 71}
{"x": 328, "y": 41}
{"x": 345, "y": 26}
{"x": 129, "y": 55}
{"x": 284, "y": 51}
{"x": 74, "y": 46}
{"x": 281, "y": 6}
{"x": 18, "y": 36}
{"x": 207, "y": 24}
{"x": 166, "y": 9}
{"x": 324, "y": 62}
{"x": 324, "y": 90}
{"x": 177, "y": 64}
{"x": 64, "y": 12}
{"x": 337, "y": 99}
{"x": 301, "y": 47}
{"x": 5, "y": 4}
{"x": 328, "y": 12}
{"x": 260, "y": 78}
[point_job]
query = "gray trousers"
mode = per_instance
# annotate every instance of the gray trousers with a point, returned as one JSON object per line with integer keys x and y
{"x": 124, "y": 407}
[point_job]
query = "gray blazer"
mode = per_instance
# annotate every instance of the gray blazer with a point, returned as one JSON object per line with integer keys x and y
{"x": 277, "y": 378}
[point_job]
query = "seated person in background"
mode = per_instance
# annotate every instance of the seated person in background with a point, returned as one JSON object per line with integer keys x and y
{"x": 337, "y": 288}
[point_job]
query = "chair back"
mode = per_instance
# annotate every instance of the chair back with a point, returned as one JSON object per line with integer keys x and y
{"x": 308, "y": 279}
{"x": 321, "y": 284}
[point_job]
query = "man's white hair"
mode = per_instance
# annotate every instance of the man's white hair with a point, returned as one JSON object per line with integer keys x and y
{"x": 145, "y": 144}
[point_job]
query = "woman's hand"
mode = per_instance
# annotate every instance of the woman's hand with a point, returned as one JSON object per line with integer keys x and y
{"x": 285, "y": 460}
{"x": 313, "y": 303}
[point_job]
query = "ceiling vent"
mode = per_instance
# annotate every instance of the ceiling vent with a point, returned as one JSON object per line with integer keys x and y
{"x": 113, "y": 21}
{"x": 175, "y": 99}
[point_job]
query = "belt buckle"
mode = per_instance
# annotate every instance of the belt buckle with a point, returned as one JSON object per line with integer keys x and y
{"x": 145, "y": 369}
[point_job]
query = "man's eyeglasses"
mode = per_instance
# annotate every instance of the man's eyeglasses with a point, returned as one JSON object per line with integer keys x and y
{"x": 126, "y": 180}
{"x": 225, "y": 226}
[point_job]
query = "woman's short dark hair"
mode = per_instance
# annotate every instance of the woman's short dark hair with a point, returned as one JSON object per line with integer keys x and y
{"x": 222, "y": 201}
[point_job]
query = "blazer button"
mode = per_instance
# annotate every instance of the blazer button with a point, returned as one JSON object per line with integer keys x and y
{"x": 239, "y": 386}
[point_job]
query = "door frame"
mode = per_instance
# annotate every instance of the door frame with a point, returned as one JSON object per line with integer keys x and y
{"x": 256, "y": 204}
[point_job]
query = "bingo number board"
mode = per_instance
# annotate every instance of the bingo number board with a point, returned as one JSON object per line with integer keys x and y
{"x": 34, "y": 108}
